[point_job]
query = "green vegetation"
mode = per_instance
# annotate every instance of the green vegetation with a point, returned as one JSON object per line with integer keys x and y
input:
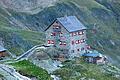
{"x": 99, "y": 16}
{"x": 77, "y": 69}
{"x": 28, "y": 69}
{"x": 18, "y": 41}
{"x": 1, "y": 76}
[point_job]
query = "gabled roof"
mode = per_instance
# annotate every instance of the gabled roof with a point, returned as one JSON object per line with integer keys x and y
{"x": 2, "y": 49}
{"x": 71, "y": 23}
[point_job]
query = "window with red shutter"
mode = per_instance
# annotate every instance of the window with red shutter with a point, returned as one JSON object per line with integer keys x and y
{"x": 53, "y": 34}
{"x": 48, "y": 41}
{"x": 81, "y": 41}
{"x": 60, "y": 43}
{"x": 88, "y": 47}
{"x": 64, "y": 43}
{"x": 77, "y": 41}
{"x": 80, "y": 32}
{"x": 52, "y": 42}
{"x": 74, "y": 33}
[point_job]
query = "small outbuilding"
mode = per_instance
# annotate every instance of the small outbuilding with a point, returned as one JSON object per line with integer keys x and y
{"x": 94, "y": 57}
{"x": 3, "y": 52}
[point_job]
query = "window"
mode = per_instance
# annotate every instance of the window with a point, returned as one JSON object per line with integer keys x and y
{"x": 81, "y": 32}
{"x": 88, "y": 47}
{"x": 57, "y": 28}
{"x": 72, "y": 51}
{"x": 82, "y": 41}
{"x": 72, "y": 42}
{"x": 77, "y": 41}
{"x": 51, "y": 41}
{"x": 53, "y": 34}
{"x": 57, "y": 22}
{"x": 73, "y": 34}
{"x": 61, "y": 34}
{"x": 78, "y": 49}
{"x": 62, "y": 43}
{"x": 82, "y": 49}
{"x": 48, "y": 41}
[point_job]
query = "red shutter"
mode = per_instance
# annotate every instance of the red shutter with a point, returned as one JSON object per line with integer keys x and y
{"x": 48, "y": 41}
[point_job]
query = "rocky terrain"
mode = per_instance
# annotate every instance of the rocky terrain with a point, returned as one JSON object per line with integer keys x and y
{"x": 22, "y": 23}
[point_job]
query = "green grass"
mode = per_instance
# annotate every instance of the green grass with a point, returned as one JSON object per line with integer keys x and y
{"x": 23, "y": 39}
{"x": 89, "y": 12}
{"x": 30, "y": 70}
{"x": 74, "y": 70}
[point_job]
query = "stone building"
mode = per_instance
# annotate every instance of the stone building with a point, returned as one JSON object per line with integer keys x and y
{"x": 69, "y": 34}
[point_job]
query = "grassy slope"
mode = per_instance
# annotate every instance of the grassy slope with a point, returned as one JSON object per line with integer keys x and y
{"x": 89, "y": 12}
{"x": 78, "y": 70}
{"x": 18, "y": 41}
{"x": 28, "y": 69}
{"x": 106, "y": 26}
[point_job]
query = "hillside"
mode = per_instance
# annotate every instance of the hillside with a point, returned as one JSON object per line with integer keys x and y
{"x": 21, "y": 30}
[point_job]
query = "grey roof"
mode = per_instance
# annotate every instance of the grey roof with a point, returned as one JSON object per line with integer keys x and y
{"x": 93, "y": 54}
{"x": 2, "y": 48}
{"x": 71, "y": 23}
